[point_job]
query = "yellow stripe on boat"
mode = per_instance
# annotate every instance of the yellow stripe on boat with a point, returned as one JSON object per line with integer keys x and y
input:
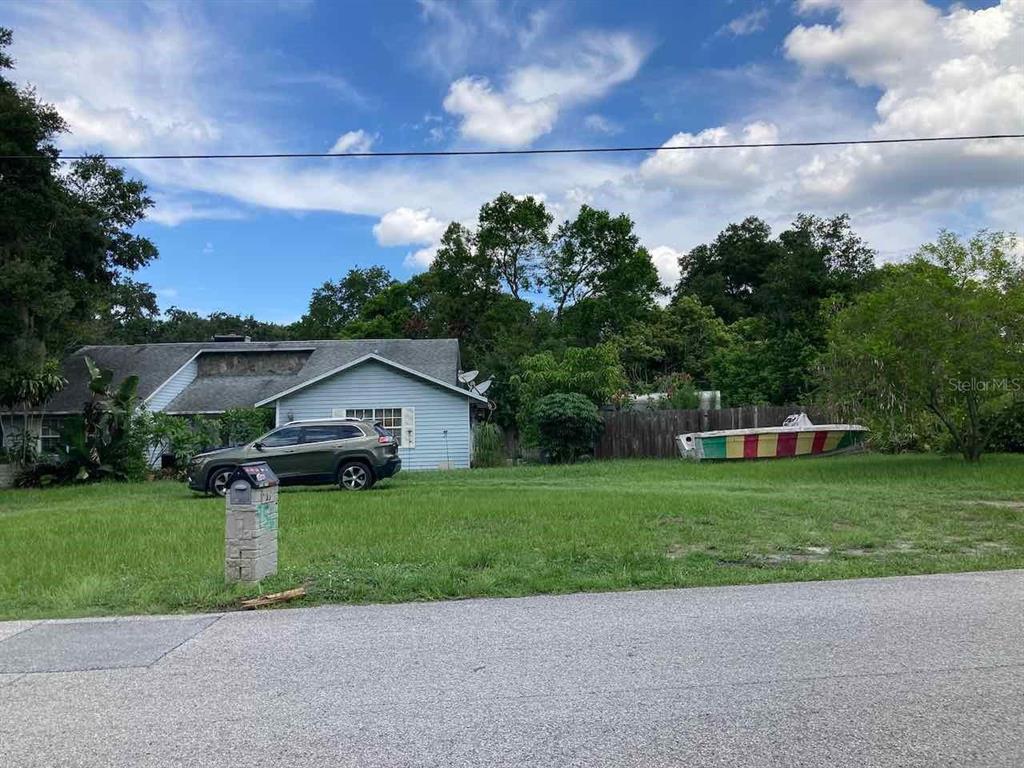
{"x": 734, "y": 447}
{"x": 767, "y": 445}
{"x": 804, "y": 441}
{"x": 832, "y": 440}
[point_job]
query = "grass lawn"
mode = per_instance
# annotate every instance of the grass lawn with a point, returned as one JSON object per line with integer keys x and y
{"x": 155, "y": 547}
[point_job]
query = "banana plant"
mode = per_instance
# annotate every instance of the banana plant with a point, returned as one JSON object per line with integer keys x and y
{"x": 106, "y": 419}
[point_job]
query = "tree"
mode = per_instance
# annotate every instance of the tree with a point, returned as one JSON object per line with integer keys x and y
{"x": 760, "y": 363}
{"x": 512, "y": 234}
{"x": 185, "y": 325}
{"x": 943, "y": 334}
{"x": 820, "y": 260}
{"x": 128, "y": 314}
{"x": 598, "y": 269}
{"x": 395, "y": 312}
{"x": 773, "y": 293}
{"x": 594, "y": 372}
{"x": 566, "y": 425}
{"x": 66, "y": 245}
{"x": 727, "y": 273}
{"x": 681, "y": 338}
{"x": 460, "y": 285}
{"x": 336, "y": 304}
{"x": 746, "y": 273}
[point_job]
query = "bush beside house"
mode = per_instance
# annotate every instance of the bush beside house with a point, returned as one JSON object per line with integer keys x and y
{"x": 567, "y": 425}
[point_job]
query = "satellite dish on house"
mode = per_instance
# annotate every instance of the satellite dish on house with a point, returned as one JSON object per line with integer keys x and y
{"x": 468, "y": 376}
{"x": 483, "y": 386}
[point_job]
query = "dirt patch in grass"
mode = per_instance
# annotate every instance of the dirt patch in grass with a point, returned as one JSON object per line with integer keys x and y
{"x": 677, "y": 551}
{"x": 1001, "y": 504}
{"x": 823, "y": 554}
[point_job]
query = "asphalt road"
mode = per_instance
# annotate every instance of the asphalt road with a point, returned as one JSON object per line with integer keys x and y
{"x": 921, "y": 671}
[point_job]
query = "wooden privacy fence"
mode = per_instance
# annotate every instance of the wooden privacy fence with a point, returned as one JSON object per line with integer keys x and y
{"x": 652, "y": 434}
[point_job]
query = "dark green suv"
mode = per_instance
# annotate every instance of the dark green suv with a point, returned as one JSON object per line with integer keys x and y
{"x": 349, "y": 452}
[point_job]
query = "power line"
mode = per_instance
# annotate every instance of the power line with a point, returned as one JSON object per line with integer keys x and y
{"x": 554, "y": 151}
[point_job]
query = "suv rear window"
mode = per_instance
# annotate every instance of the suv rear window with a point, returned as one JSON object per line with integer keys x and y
{"x": 324, "y": 432}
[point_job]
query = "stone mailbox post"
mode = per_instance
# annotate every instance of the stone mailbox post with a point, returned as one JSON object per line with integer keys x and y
{"x": 250, "y": 537}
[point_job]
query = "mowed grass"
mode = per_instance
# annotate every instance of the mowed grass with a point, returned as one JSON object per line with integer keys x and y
{"x": 156, "y": 547}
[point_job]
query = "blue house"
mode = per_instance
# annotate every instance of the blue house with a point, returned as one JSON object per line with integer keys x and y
{"x": 410, "y": 386}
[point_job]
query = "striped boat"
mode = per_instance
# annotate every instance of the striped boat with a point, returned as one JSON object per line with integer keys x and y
{"x": 796, "y": 437}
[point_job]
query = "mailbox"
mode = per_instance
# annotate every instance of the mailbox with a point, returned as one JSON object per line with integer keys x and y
{"x": 250, "y": 539}
{"x": 255, "y": 474}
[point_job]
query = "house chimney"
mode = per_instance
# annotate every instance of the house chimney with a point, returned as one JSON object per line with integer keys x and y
{"x": 232, "y": 337}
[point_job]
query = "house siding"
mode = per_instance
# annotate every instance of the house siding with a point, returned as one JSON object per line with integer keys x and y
{"x": 374, "y": 385}
{"x": 173, "y": 387}
{"x": 162, "y": 397}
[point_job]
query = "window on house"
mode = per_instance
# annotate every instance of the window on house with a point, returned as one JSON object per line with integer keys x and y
{"x": 49, "y": 437}
{"x": 398, "y": 421}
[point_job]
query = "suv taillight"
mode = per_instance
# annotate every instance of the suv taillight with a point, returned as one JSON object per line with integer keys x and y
{"x": 383, "y": 440}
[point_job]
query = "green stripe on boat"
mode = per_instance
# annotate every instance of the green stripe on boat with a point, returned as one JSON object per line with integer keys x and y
{"x": 714, "y": 447}
{"x": 848, "y": 439}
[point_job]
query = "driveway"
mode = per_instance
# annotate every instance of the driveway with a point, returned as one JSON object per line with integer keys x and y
{"x": 910, "y": 671}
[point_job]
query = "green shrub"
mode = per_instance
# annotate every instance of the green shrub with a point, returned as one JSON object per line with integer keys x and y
{"x": 239, "y": 426}
{"x": 680, "y": 393}
{"x": 488, "y": 450}
{"x": 1007, "y": 431}
{"x": 185, "y": 436}
{"x": 595, "y": 372}
{"x": 567, "y": 425}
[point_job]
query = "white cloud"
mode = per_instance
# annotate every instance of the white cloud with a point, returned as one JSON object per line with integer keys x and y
{"x": 353, "y": 141}
{"x": 208, "y": 248}
{"x": 581, "y": 70}
{"x": 666, "y": 261}
{"x": 331, "y": 82}
{"x": 421, "y": 259}
{"x": 405, "y": 226}
{"x": 114, "y": 83}
{"x": 498, "y": 118}
{"x": 872, "y": 42}
{"x": 172, "y": 211}
{"x": 601, "y": 124}
{"x": 458, "y": 31}
{"x": 714, "y": 169}
{"x": 959, "y": 73}
{"x": 747, "y": 24}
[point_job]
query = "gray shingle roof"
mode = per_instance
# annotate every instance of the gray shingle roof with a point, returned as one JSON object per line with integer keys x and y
{"x": 155, "y": 363}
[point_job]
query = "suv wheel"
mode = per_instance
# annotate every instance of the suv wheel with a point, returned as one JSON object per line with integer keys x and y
{"x": 219, "y": 480}
{"x": 355, "y": 476}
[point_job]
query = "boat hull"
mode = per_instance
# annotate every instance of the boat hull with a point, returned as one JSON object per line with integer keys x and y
{"x": 773, "y": 443}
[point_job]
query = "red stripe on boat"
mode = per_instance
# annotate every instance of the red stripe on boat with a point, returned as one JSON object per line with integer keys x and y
{"x": 786, "y": 444}
{"x": 750, "y": 446}
{"x": 819, "y": 442}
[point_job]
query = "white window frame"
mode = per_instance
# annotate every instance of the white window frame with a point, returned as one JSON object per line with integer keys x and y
{"x": 399, "y": 421}
{"x": 48, "y": 432}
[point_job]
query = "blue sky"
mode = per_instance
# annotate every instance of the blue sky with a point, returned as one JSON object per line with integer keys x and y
{"x": 258, "y": 236}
